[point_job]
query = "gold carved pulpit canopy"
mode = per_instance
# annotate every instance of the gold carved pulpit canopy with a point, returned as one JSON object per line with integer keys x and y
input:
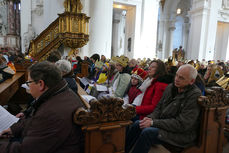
{"x": 69, "y": 29}
{"x": 73, "y": 25}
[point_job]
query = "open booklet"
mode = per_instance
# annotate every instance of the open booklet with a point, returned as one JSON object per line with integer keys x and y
{"x": 101, "y": 88}
{"x": 88, "y": 98}
{"x": 6, "y": 119}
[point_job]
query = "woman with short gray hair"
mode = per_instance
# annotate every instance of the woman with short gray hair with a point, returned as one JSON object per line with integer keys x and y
{"x": 67, "y": 74}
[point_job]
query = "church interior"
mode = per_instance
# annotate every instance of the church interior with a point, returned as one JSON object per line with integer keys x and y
{"x": 95, "y": 35}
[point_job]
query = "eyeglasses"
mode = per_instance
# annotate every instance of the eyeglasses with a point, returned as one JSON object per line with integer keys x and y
{"x": 28, "y": 82}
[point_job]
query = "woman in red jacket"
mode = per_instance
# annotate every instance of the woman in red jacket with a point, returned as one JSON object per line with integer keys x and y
{"x": 160, "y": 79}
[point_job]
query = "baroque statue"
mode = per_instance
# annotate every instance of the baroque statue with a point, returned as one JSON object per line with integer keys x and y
{"x": 28, "y": 36}
{"x": 74, "y": 6}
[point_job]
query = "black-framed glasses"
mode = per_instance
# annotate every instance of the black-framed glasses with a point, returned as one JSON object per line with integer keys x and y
{"x": 28, "y": 82}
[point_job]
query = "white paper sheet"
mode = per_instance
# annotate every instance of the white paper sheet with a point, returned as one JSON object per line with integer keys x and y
{"x": 88, "y": 97}
{"x": 6, "y": 119}
{"x": 101, "y": 88}
{"x": 84, "y": 81}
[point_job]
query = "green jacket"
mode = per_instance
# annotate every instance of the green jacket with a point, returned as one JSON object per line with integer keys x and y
{"x": 177, "y": 117}
{"x": 123, "y": 82}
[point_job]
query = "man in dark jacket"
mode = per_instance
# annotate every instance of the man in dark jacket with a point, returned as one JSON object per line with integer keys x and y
{"x": 48, "y": 127}
{"x": 175, "y": 119}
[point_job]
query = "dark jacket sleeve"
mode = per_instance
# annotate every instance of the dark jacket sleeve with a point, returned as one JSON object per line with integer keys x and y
{"x": 17, "y": 128}
{"x": 186, "y": 118}
{"x": 42, "y": 138}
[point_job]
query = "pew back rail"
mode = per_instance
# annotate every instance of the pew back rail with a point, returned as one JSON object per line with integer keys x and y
{"x": 104, "y": 125}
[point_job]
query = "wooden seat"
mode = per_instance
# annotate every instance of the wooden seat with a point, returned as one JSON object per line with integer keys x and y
{"x": 104, "y": 125}
{"x": 84, "y": 71}
{"x": 10, "y": 86}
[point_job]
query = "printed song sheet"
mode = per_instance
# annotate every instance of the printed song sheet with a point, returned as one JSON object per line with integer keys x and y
{"x": 6, "y": 119}
{"x": 101, "y": 88}
{"x": 88, "y": 97}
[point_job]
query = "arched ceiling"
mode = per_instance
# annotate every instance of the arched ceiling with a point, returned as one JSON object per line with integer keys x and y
{"x": 170, "y": 7}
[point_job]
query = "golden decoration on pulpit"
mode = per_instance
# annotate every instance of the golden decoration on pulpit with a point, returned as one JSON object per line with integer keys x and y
{"x": 69, "y": 29}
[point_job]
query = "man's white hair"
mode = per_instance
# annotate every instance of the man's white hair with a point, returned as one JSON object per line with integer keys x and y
{"x": 65, "y": 66}
{"x": 192, "y": 71}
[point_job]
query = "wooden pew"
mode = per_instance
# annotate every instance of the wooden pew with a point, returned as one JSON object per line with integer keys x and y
{"x": 20, "y": 96}
{"x": 105, "y": 132}
{"x": 82, "y": 92}
{"x": 10, "y": 86}
{"x": 104, "y": 125}
{"x": 84, "y": 71}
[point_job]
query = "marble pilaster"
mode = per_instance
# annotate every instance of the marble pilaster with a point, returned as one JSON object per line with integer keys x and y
{"x": 149, "y": 23}
{"x": 100, "y": 28}
{"x": 17, "y": 20}
{"x": 11, "y": 18}
{"x": 203, "y": 29}
{"x": 171, "y": 31}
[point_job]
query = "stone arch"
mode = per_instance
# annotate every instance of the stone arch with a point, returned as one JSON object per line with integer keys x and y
{"x": 168, "y": 21}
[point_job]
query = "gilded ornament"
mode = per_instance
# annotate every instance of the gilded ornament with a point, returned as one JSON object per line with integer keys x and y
{"x": 73, "y": 6}
{"x": 70, "y": 29}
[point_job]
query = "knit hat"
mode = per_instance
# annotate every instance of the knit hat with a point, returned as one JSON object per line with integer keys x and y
{"x": 139, "y": 73}
{"x": 123, "y": 60}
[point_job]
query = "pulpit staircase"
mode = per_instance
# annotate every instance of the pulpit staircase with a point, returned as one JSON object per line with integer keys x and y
{"x": 69, "y": 29}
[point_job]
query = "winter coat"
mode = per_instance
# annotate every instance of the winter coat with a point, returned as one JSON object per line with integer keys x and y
{"x": 132, "y": 93}
{"x": 49, "y": 127}
{"x": 71, "y": 83}
{"x": 121, "y": 82}
{"x": 152, "y": 95}
{"x": 177, "y": 116}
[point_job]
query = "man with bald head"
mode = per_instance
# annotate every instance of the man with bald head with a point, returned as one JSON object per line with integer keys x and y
{"x": 175, "y": 119}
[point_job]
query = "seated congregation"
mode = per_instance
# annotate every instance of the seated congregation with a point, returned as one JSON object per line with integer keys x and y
{"x": 161, "y": 99}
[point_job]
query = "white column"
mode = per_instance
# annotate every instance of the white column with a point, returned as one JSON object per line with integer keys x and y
{"x": 149, "y": 23}
{"x": 166, "y": 40}
{"x": 227, "y": 50}
{"x": 221, "y": 44}
{"x": 171, "y": 31}
{"x": 115, "y": 36}
{"x": 100, "y": 27}
{"x": 132, "y": 32}
{"x": 203, "y": 29}
{"x": 26, "y": 19}
{"x": 160, "y": 38}
{"x": 118, "y": 34}
{"x": 186, "y": 28}
{"x": 84, "y": 51}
